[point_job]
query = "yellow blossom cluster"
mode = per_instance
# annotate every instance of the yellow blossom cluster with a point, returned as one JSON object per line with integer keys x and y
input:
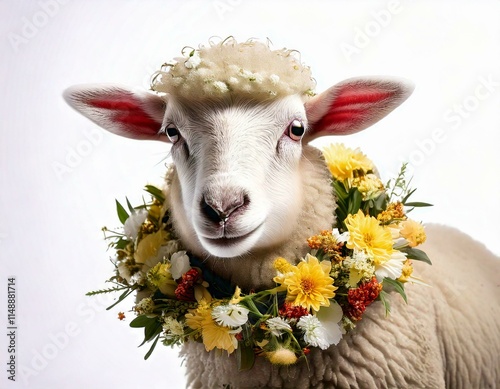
{"x": 344, "y": 162}
{"x": 328, "y": 243}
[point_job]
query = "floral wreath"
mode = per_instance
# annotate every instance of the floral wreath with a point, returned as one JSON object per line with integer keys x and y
{"x": 314, "y": 303}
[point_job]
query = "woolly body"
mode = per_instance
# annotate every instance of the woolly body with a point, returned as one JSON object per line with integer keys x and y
{"x": 446, "y": 337}
{"x": 247, "y": 188}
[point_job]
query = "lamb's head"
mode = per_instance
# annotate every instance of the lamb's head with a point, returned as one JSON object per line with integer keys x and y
{"x": 237, "y": 117}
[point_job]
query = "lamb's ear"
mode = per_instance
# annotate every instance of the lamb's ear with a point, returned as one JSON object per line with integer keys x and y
{"x": 354, "y": 105}
{"x": 136, "y": 115}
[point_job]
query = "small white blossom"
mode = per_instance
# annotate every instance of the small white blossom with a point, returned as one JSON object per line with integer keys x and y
{"x": 134, "y": 222}
{"x": 325, "y": 332}
{"x": 340, "y": 238}
{"x": 278, "y": 325}
{"x": 393, "y": 268}
{"x": 173, "y": 326}
{"x": 124, "y": 271}
{"x": 274, "y": 79}
{"x": 180, "y": 264}
{"x": 230, "y": 315}
{"x": 193, "y": 61}
{"x": 221, "y": 86}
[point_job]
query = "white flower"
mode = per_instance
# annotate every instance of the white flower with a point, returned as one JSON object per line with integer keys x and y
{"x": 164, "y": 252}
{"x": 124, "y": 271}
{"x": 230, "y": 315}
{"x": 173, "y": 326}
{"x": 393, "y": 268}
{"x": 278, "y": 325}
{"x": 340, "y": 238}
{"x": 193, "y": 61}
{"x": 134, "y": 222}
{"x": 221, "y": 86}
{"x": 323, "y": 329}
{"x": 180, "y": 264}
{"x": 360, "y": 266}
{"x": 274, "y": 79}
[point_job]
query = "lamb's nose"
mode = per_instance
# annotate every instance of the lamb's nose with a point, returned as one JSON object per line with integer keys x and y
{"x": 219, "y": 208}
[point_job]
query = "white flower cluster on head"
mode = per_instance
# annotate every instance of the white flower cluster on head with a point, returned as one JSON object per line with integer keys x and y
{"x": 250, "y": 68}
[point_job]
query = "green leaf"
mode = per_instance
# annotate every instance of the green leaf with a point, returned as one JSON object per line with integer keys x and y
{"x": 355, "y": 201}
{"x": 416, "y": 254}
{"x": 122, "y": 297}
{"x": 141, "y": 321}
{"x": 122, "y": 214}
{"x": 418, "y": 204}
{"x": 148, "y": 354}
{"x": 101, "y": 291}
{"x": 245, "y": 356}
{"x": 397, "y": 285}
{"x": 384, "y": 298}
{"x": 130, "y": 208}
{"x": 408, "y": 195}
{"x": 155, "y": 192}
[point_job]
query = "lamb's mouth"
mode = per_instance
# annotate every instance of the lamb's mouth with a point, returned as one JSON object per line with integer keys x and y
{"x": 231, "y": 241}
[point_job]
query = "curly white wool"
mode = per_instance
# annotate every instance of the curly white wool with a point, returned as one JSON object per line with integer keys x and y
{"x": 250, "y": 68}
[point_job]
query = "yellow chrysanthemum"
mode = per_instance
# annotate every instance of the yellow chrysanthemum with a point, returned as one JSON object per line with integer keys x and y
{"x": 366, "y": 234}
{"x": 213, "y": 334}
{"x": 343, "y": 161}
{"x": 413, "y": 232}
{"x": 309, "y": 284}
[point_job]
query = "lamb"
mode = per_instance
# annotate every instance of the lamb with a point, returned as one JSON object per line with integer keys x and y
{"x": 249, "y": 188}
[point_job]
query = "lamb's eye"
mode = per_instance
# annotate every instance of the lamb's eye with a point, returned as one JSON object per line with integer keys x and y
{"x": 296, "y": 130}
{"x": 172, "y": 133}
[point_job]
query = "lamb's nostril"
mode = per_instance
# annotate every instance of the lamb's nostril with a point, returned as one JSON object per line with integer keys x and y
{"x": 210, "y": 212}
{"x": 219, "y": 210}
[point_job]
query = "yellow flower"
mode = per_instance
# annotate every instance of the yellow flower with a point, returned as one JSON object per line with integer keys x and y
{"x": 413, "y": 232}
{"x": 369, "y": 185}
{"x": 149, "y": 246}
{"x": 213, "y": 334}
{"x": 159, "y": 277}
{"x": 309, "y": 284}
{"x": 407, "y": 271}
{"x": 282, "y": 356}
{"x": 366, "y": 234}
{"x": 343, "y": 161}
{"x": 394, "y": 211}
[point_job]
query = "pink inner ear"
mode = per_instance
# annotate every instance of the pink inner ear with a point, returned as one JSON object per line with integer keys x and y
{"x": 128, "y": 111}
{"x": 353, "y": 106}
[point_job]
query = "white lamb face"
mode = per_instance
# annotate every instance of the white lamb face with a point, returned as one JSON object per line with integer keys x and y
{"x": 238, "y": 167}
{"x": 239, "y": 164}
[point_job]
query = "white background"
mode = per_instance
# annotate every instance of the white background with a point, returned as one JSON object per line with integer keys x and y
{"x": 60, "y": 174}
